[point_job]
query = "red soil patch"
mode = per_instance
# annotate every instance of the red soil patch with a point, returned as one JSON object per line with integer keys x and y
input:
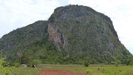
{"x": 59, "y": 72}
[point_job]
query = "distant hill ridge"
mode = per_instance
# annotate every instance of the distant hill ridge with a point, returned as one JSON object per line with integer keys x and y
{"x": 73, "y": 34}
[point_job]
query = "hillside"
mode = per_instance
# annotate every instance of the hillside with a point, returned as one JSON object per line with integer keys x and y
{"x": 73, "y": 34}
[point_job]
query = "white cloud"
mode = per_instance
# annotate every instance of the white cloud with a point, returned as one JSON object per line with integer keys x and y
{"x": 18, "y": 13}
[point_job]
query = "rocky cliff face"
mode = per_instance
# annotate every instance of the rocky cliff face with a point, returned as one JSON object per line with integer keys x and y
{"x": 73, "y": 34}
{"x": 56, "y": 36}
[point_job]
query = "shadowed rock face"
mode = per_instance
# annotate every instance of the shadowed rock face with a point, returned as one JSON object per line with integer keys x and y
{"x": 73, "y": 34}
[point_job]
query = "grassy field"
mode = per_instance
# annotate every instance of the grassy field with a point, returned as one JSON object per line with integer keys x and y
{"x": 100, "y": 69}
{"x": 19, "y": 71}
{"x": 92, "y": 69}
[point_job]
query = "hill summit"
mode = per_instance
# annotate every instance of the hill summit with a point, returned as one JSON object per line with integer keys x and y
{"x": 72, "y": 34}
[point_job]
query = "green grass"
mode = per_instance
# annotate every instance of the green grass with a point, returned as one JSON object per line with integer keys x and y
{"x": 19, "y": 71}
{"x": 92, "y": 69}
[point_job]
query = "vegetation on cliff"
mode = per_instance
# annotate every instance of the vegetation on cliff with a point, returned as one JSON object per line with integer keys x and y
{"x": 73, "y": 34}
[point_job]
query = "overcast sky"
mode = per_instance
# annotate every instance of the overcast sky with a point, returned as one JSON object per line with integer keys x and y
{"x": 18, "y": 13}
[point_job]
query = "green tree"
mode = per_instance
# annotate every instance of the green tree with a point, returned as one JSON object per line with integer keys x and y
{"x": 117, "y": 63}
{"x": 25, "y": 59}
{"x": 1, "y": 62}
{"x": 86, "y": 64}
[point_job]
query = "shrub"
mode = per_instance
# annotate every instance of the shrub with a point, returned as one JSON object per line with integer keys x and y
{"x": 86, "y": 64}
{"x": 7, "y": 74}
{"x": 88, "y": 71}
{"x": 5, "y": 64}
{"x": 16, "y": 64}
{"x": 117, "y": 63}
{"x": 36, "y": 61}
{"x": 1, "y": 62}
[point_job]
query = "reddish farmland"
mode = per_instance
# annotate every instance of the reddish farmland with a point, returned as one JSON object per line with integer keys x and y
{"x": 59, "y": 72}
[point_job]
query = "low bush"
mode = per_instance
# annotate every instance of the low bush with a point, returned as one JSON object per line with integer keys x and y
{"x": 86, "y": 64}
{"x": 88, "y": 71}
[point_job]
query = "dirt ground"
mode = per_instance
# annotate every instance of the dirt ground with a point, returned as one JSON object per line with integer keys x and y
{"x": 59, "y": 72}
